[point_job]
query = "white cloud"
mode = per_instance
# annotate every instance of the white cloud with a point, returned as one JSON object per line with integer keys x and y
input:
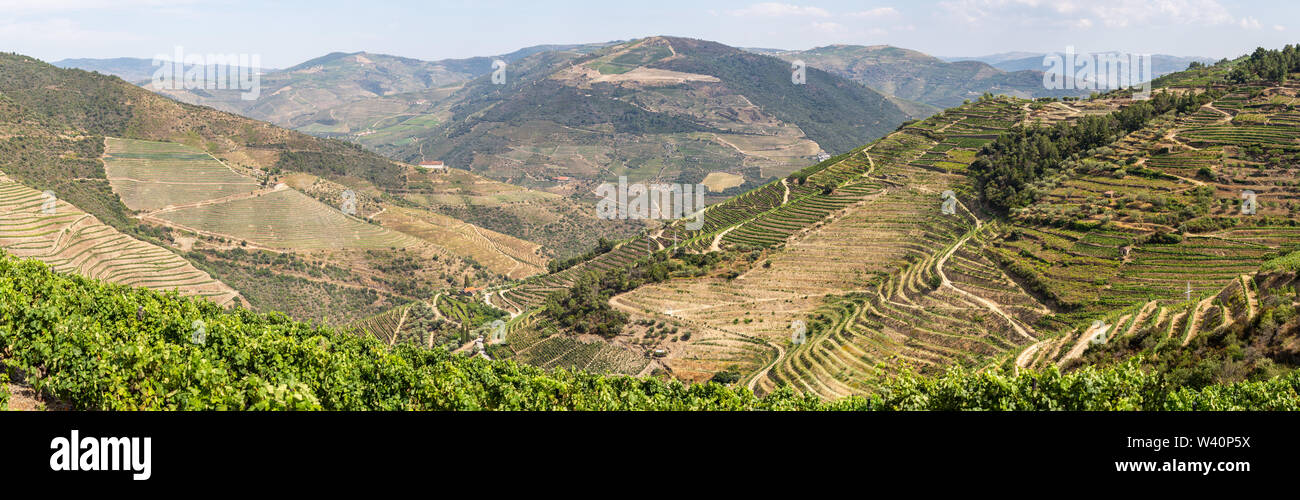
{"x": 774, "y": 9}
{"x": 1279, "y": 27}
{"x": 876, "y": 13}
{"x": 1108, "y": 13}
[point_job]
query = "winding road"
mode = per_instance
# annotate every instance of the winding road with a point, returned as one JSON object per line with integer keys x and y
{"x": 992, "y": 306}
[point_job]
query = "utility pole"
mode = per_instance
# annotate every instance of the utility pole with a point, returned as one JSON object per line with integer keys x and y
{"x": 1189, "y": 291}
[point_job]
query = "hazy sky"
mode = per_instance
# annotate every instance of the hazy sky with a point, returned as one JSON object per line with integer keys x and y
{"x": 286, "y": 33}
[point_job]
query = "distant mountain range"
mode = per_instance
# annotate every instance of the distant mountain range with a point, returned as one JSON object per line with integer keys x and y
{"x": 136, "y": 70}
{"x": 915, "y": 76}
{"x": 656, "y": 108}
{"x": 1022, "y": 61}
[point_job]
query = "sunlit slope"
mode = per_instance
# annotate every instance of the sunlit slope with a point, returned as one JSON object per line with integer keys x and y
{"x": 152, "y": 175}
{"x": 70, "y": 240}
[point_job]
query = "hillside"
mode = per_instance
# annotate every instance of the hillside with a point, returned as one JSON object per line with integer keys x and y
{"x": 291, "y": 96}
{"x": 307, "y": 93}
{"x": 663, "y": 108}
{"x": 1070, "y": 218}
{"x": 161, "y": 352}
{"x": 132, "y": 69}
{"x": 914, "y": 76}
{"x": 622, "y": 110}
{"x": 206, "y": 190}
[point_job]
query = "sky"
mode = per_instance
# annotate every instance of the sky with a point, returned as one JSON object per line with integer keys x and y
{"x": 289, "y": 32}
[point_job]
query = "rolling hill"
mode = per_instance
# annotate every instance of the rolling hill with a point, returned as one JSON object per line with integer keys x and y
{"x": 914, "y": 76}
{"x": 292, "y": 96}
{"x": 663, "y": 108}
{"x": 1161, "y": 64}
{"x": 1128, "y": 236}
{"x": 208, "y": 193}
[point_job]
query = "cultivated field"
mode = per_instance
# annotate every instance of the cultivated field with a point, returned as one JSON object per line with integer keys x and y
{"x": 286, "y": 219}
{"x": 153, "y": 175}
{"x": 71, "y": 240}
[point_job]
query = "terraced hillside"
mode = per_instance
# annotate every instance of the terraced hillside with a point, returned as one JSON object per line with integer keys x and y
{"x": 544, "y": 346}
{"x": 1246, "y": 330}
{"x": 886, "y": 279}
{"x": 150, "y": 175}
{"x": 1100, "y": 236}
{"x": 283, "y": 218}
{"x": 831, "y": 240}
{"x": 857, "y": 271}
{"x": 34, "y": 225}
{"x": 1152, "y": 246}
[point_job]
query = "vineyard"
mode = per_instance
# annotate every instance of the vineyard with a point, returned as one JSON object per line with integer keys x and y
{"x": 501, "y": 253}
{"x": 149, "y": 359}
{"x": 857, "y": 249}
{"x": 34, "y": 225}
{"x": 153, "y": 175}
{"x": 831, "y": 258}
{"x": 285, "y": 218}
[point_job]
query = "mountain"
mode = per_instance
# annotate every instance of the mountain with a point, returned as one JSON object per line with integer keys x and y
{"x": 305, "y": 93}
{"x": 994, "y": 59}
{"x": 577, "y": 111}
{"x": 671, "y": 109}
{"x": 132, "y": 69}
{"x": 915, "y": 76}
{"x": 1025, "y": 61}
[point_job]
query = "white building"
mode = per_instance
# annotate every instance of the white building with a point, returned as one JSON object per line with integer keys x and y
{"x": 434, "y": 166}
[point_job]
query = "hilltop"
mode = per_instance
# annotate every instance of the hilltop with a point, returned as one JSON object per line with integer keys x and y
{"x": 659, "y": 108}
